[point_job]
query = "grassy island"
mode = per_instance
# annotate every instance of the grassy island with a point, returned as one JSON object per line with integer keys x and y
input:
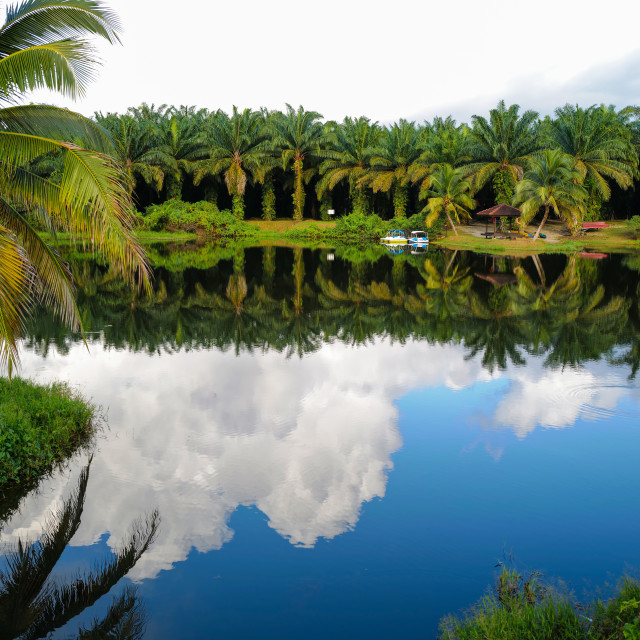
{"x": 40, "y": 425}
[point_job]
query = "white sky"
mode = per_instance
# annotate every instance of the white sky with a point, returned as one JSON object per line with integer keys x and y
{"x": 386, "y": 60}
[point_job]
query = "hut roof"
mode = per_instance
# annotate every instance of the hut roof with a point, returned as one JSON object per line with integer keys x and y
{"x": 501, "y": 211}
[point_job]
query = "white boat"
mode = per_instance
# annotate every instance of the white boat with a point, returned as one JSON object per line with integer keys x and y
{"x": 396, "y": 236}
{"x": 419, "y": 238}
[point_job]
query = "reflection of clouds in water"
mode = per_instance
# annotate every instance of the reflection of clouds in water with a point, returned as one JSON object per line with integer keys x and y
{"x": 539, "y": 397}
{"x": 307, "y": 441}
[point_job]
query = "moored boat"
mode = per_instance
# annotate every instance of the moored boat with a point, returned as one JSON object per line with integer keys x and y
{"x": 396, "y": 236}
{"x": 419, "y": 238}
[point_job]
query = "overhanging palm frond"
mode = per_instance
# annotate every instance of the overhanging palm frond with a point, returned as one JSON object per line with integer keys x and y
{"x": 61, "y": 66}
{"x": 33, "y": 22}
{"x": 15, "y": 283}
{"x": 56, "y": 123}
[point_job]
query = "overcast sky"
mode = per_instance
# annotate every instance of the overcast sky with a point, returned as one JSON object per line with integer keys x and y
{"x": 386, "y": 60}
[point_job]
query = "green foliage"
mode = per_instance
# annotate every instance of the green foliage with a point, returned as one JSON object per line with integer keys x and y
{"x": 39, "y": 426}
{"x": 619, "y": 617}
{"x": 175, "y": 215}
{"x": 503, "y": 187}
{"x": 357, "y": 226}
{"x": 521, "y": 608}
{"x": 634, "y": 226}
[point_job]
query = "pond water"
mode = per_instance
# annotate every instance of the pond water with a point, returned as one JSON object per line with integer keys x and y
{"x": 345, "y": 443}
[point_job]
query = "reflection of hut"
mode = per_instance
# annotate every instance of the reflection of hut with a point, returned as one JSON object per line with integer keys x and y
{"x": 493, "y": 213}
{"x": 496, "y": 275}
{"x": 499, "y": 279}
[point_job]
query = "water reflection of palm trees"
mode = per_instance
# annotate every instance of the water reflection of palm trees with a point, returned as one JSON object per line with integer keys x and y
{"x": 567, "y": 319}
{"x": 296, "y": 300}
{"x": 32, "y": 604}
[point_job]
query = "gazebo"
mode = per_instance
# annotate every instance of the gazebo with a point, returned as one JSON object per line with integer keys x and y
{"x": 499, "y": 211}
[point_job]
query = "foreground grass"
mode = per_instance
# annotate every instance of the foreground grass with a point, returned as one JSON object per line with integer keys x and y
{"x": 40, "y": 425}
{"x": 520, "y": 610}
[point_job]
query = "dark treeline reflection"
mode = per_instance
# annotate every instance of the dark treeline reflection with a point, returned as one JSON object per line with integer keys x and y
{"x": 568, "y": 309}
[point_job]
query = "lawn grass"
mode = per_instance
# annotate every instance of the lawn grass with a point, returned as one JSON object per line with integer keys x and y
{"x": 618, "y": 238}
{"x": 40, "y": 425}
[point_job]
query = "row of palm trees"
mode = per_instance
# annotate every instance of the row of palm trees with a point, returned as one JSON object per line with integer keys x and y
{"x": 441, "y": 162}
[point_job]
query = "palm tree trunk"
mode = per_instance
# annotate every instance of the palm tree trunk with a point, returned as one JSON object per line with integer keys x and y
{"x": 298, "y": 191}
{"x": 268, "y": 199}
{"x": 455, "y": 231}
{"x": 544, "y": 219}
{"x": 211, "y": 195}
{"x": 238, "y": 206}
{"x": 174, "y": 187}
{"x": 400, "y": 198}
{"x": 359, "y": 201}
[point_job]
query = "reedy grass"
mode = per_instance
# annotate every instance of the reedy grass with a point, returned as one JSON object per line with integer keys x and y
{"x": 521, "y": 609}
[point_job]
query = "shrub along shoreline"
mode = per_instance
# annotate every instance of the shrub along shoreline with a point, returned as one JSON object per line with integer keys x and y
{"x": 40, "y": 426}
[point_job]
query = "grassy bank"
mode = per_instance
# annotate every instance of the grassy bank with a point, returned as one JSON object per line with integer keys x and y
{"x": 618, "y": 238}
{"x": 40, "y": 425}
{"x": 520, "y": 609}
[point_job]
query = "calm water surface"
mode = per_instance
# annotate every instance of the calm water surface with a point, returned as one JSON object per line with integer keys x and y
{"x": 345, "y": 444}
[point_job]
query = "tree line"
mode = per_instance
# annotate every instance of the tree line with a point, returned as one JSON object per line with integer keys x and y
{"x": 571, "y": 164}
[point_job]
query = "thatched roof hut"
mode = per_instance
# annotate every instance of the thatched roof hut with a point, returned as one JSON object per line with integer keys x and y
{"x": 499, "y": 211}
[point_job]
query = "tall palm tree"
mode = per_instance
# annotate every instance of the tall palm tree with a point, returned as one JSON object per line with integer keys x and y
{"x": 551, "y": 183}
{"x": 41, "y": 47}
{"x": 235, "y": 150}
{"x": 300, "y": 138}
{"x": 444, "y": 143}
{"x": 355, "y": 141}
{"x": 182, "y": 146}
{"x": 599, "y": 143}
{"x": 501, "y": 147}
{"x": 137, "y": 148}
{"x": 447, "y": 195}
{"x": 398, "y": 149}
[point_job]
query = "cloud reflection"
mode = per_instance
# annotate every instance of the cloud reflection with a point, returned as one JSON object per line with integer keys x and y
{"x": 307, "y": 441}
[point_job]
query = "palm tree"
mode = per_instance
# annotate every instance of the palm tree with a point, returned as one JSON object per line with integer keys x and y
{"x": 136, "y": 148}
{"x": 355, "y": 141}
{"x": 444, "y": 143}
{"x": 552, "y": 183}
{"x": 448, "y": 195}
{"x": 299, "y": 138}
{"x": 398, "y": 149}
{"x": 40, "y": 48}
{"x": 181, "y": 145}
{"x": 235, "y": 150}
{"x": 600, "y": 145}
{"x": 501, "y": 148}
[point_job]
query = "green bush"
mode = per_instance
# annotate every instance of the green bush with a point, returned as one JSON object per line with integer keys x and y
{"x": 357, "y": 226}
{"x": 39, "y": 426}
{"x": 175, "y": 215}
{"x": 634, "y": 226}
